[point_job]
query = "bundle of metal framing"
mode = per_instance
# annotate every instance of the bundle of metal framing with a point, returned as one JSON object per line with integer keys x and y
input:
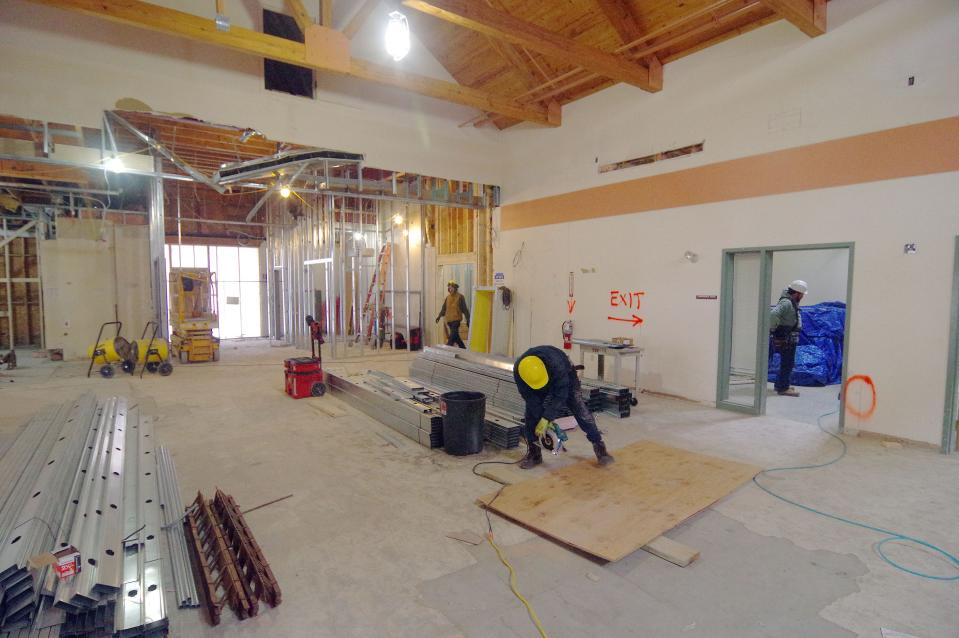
{"x": 82, "y": 475}
{"x": 416, "y": 418}
{"x": 172, "y": 508}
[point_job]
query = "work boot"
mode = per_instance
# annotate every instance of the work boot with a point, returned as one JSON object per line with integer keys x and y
{"x": 602, "y": 455}
{"x": 788, "y": 392}
{"x": 534, "y": 456}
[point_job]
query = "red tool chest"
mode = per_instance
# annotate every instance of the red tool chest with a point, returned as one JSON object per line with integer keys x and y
{"x": 304, "y": 377}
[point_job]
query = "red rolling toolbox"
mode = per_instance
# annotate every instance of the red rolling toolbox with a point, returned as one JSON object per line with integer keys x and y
{"x": 304, "y": 377}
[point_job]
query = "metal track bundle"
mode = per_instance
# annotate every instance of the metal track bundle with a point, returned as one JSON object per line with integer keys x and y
{"x": 173, "y": 515}
{"x": 82, "y": 474}
{"x": 232, "y": 569}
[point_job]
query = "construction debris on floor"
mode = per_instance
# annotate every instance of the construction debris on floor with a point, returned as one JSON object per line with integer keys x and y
{"x": 231, "y": 565}
{"x": 80, "y": 524}
{"x": 411, "y": 405}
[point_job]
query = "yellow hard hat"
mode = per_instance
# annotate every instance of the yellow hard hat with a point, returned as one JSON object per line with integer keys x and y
{"x": 532, "y": 370}
{"x": 452, "y": 283}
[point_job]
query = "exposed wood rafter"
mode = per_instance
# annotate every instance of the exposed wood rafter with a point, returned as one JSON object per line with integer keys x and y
{"x": 300, "y": 14}
{"x": 621, "y": 17}
{"x": 477, "y": 17}
{"x": 326, "y": 13}
{"x": 809, "y": 16}
{"x": 170, "y": 21}
{"x": 26, "y": 169}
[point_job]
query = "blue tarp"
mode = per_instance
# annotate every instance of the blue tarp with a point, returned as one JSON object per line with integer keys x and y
{"x": 819, "y": 355}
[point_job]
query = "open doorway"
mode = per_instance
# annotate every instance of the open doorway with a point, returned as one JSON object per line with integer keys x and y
{"x": 753, "y": 281}
{"x": 817, "y": 373}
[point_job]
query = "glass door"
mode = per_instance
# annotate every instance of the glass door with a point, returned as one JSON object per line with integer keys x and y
{"x": 743, "y": 347}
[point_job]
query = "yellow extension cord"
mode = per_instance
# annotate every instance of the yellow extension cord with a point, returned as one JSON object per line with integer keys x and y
{"x": 512, "y": 586}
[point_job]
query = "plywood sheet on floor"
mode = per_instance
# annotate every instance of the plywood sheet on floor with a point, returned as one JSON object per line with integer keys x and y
{"x": 612, "y": 511}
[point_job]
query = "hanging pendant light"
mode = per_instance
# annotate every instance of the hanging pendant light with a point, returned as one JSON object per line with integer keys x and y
{"x": 397, "y": 36}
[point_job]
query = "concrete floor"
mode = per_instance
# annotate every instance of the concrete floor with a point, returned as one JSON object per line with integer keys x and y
{"x": 361, "y": 548}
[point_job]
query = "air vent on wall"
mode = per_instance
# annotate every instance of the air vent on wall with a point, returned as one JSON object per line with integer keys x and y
{"x": 655, "y": 157}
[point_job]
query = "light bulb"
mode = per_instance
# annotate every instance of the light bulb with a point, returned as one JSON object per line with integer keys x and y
{"x": 397, "y": 36}
{"x": 397, "y": 219}
{"x": 357, "y": 236}
{"x": 285, "y": 192}
{"x": 114, "y": 164}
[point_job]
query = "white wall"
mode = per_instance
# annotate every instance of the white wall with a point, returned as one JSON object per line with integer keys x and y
{"x": 825, "y": 271}
{"x": 92, "y": 268}
{"x": 743, "y": 97}
{"x": 900, "y": 302}
{"x": 769, "y": 89}
{"x": 67, "y": 67}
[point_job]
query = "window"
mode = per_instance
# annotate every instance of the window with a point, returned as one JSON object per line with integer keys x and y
{"x": 280, "y": 76}
{"x": 239, "y": 285}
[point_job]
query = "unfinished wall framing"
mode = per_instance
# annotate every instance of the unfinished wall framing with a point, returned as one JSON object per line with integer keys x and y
{"x": 21, "y": 302}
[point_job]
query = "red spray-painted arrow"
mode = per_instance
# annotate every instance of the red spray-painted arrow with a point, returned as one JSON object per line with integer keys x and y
{"x": 635, "y": 320}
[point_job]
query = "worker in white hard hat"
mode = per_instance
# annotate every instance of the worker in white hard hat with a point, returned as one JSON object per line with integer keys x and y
{"x": 548, "y": 383}
{"x": 785, "y": 324}
{"x": 454, "y": 310}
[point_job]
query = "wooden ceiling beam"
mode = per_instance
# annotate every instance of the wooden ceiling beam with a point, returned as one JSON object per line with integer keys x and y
{"x": 178, "y": 23}
{"x": 326, "y": 13}
{"x": 809, "y": 16}
{"x": 477, "y": 17}
{"x": 621, "y": 17}
{"x": 26, "y": 169}
{"x": 300, "y": 14}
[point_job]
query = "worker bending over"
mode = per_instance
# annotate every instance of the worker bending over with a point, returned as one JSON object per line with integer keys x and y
{"x": 548, "y": 382}
{"x": 454, "y": 309}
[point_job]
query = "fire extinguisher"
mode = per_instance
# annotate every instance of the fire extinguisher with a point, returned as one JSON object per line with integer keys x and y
{"x": 568, "y": 334}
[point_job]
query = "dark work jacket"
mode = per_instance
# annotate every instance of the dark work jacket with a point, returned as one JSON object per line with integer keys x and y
{"x": 548, "y": 401}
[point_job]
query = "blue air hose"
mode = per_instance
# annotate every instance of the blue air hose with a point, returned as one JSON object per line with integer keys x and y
{"x": 890, "y": 535}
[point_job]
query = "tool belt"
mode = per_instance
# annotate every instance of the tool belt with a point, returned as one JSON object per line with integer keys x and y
{"x": 783, "y": 336}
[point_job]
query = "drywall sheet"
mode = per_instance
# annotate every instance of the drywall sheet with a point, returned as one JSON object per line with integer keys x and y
{"x": 612, "y": 511}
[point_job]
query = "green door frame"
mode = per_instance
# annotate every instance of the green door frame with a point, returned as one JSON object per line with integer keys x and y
{"x": 949, "y": 414}
{"x": 726, "y": 332}
{"x": 762, "y": 339}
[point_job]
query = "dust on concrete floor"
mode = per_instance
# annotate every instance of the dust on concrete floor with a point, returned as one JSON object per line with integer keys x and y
{"x": 361, "y": 548}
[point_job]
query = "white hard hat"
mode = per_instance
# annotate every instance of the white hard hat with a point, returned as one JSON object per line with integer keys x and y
{"x": 799, "y": 286}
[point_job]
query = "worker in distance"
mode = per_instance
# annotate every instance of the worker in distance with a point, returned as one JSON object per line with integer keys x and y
{"x": 548, "y": 382}
{"x": 785, "y": 324}
{"x": 454, "y": 310}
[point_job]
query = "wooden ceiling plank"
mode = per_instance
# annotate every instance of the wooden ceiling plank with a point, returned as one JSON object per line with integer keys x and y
{"x": 178, "y": 23}
{"x": 725, "y": 35}
{"x": 359, "y": 18}
{"x": 477, "y": 17}
{"x": 809, "y": 16}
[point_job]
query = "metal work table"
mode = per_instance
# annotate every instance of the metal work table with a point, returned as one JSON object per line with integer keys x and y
{"x": 602, "y": 350}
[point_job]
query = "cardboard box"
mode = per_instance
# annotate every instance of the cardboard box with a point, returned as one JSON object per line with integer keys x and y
{"x": 65, "y": 562}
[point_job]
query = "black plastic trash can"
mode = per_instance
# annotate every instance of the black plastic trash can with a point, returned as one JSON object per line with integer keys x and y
{"x": 463, "y": 416}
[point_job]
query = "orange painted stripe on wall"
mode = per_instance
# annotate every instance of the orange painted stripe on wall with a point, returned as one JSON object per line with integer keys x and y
{"x": 907, "y": 151}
